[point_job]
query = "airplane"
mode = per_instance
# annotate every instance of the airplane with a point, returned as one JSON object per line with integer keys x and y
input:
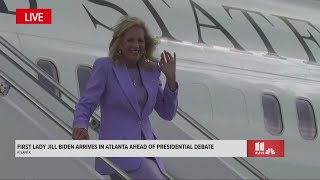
{"x": 246, "y": 70}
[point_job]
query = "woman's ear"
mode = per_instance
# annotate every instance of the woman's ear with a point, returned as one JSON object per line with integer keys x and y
{"x": 119, "y": 45}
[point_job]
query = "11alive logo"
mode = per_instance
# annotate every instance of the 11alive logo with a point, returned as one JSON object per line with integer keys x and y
{"x": 33, "y": 16}
{"x": 265, "y": 148}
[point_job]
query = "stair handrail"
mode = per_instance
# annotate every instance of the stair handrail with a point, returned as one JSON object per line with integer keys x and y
{"x": 56, "y": 119}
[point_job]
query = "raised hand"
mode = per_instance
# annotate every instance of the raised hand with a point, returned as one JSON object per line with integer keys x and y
{"x": 168, "y": 67}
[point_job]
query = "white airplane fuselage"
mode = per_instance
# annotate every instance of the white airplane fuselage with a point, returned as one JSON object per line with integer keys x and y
{"x": 229, "y": 54}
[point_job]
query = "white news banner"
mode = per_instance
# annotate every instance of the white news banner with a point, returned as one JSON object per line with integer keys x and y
{"x": 131, "y": 148}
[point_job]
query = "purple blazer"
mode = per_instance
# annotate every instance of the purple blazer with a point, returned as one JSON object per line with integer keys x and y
{"x": 121, "y": 115}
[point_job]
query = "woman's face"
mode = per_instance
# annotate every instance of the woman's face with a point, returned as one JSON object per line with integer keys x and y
{"x": 133, "y": 45}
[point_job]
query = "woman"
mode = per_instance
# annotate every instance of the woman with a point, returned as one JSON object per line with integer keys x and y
{"x": 128, "y": 88}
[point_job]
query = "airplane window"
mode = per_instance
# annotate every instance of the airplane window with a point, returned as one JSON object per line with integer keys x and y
{"x": 306, "y": 119}
{"x": 83, "y": 73}
{"x": 52, "y": 71}
{"x": 272, "y": 114}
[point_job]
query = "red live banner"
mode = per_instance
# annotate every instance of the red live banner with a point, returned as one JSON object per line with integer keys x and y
{"x": 33, "y": 16}
{"x": 265, "y": 148}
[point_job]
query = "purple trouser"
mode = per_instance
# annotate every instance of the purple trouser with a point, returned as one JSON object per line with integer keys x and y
{"x": 147, "y": 170}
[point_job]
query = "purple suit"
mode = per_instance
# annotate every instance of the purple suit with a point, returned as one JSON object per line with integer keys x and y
{"x": 121, "y": 115}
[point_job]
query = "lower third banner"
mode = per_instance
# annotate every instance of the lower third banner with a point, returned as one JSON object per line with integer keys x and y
{"x": 149, "y": 148}
{"x": 130, "y": 148}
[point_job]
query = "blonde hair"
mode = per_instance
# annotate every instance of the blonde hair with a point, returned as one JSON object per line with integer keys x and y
{"x": 124, "y": 24}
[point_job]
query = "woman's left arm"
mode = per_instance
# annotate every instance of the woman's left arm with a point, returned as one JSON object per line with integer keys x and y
{"x": 167, "y": 99}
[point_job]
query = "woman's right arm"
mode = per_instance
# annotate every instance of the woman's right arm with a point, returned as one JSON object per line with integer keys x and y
{"x": 90, "y": 99}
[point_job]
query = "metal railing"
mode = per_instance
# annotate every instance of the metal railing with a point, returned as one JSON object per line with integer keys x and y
{"x": 210, "y": 136}
{"x": 56, "y": 119}
{"x": 38, "y": 70}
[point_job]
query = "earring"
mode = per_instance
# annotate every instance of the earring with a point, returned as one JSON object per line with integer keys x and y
{"x": 119, "y": 52}
{"x": 144, "y": 57}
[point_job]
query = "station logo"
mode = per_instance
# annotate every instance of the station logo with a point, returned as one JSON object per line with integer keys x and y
{"x": 265, "y": 148}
